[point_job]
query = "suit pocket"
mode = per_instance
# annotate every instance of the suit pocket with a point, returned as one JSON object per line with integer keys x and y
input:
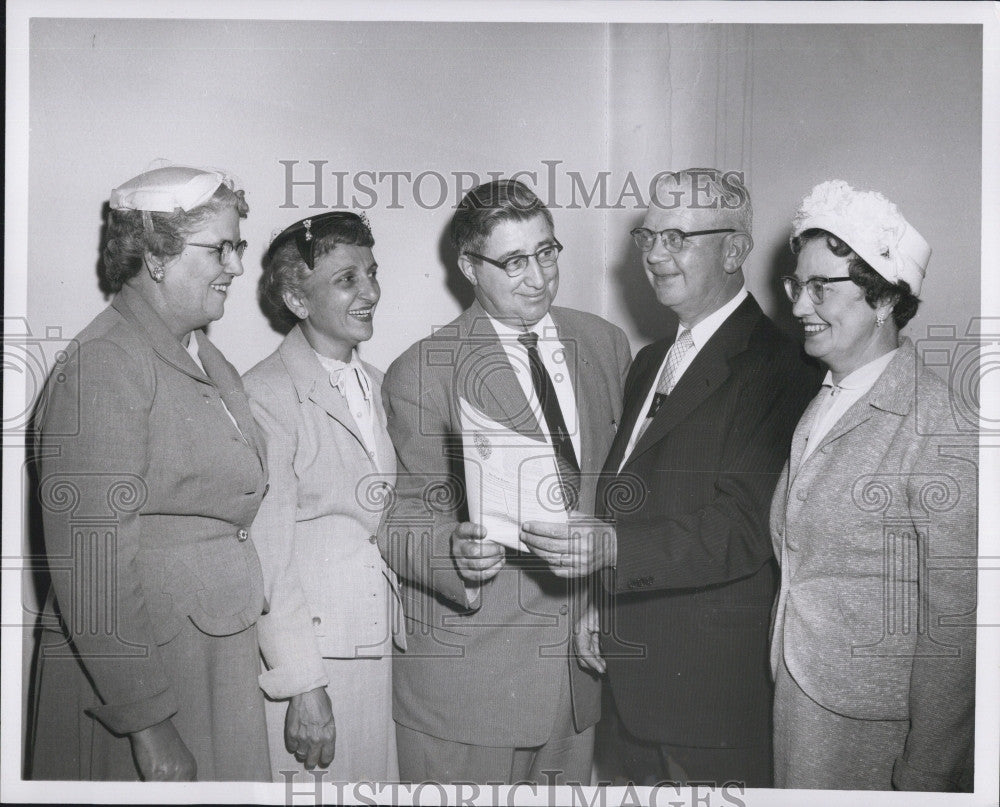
{"x": 217, "y": 584}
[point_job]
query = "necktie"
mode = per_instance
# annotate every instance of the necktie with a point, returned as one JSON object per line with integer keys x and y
{"x": 668, "y": 378}
{"x": 566, "y": 462}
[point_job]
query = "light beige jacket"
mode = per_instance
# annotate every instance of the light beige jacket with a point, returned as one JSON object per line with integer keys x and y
{"x": 328, "y": 590}
{"x": 876, "y": 535}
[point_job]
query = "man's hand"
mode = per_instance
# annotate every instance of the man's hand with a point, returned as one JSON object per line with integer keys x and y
{"x": 310, "y": 730}
{"x": 586, "y": 640}
{"x": 478, "y": 560}
{"x": 161, "y": 755}
{"x": 576, "y": 549}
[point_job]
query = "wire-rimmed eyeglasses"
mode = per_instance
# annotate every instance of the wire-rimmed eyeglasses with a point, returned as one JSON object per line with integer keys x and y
{"x": 672, "y": 240}
{"x": 517, "y": 265}
{"x": 816, "y": 286}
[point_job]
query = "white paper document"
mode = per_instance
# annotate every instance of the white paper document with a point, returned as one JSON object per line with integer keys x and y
{"x": 509, "y": 478}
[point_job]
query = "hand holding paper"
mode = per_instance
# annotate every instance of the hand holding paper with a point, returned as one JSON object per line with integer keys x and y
{"x": 574, "y": 549}
{"x": 509, "y": 477}
{"x": 478, "y": 558}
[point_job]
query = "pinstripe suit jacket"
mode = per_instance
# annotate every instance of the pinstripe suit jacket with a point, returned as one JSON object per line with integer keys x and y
{"x": 696, "y": 578}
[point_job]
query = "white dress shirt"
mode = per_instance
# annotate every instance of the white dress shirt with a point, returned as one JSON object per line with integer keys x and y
{"x": 553, "y": 356}
{"x": 841, "y": 397}
{"x": 700, "y": 334}
{"x": 351, "y": 380}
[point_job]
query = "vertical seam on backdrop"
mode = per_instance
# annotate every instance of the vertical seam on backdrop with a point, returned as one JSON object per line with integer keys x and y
{"x": 605, "y": 272}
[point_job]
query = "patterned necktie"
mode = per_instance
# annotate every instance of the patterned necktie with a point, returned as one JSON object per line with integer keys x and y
{"x": 668, "y": 378}
{"x": 566, "y": 462}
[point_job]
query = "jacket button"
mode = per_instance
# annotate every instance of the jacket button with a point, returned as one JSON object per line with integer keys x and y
{"x": 242, "y": 535}
{"x": 800, "y": 495}
{"x": 317, "y": 621}
{"x": 563, "y": 609}
{"x": 267, "y": 487}
{"x": 373, "y": 539}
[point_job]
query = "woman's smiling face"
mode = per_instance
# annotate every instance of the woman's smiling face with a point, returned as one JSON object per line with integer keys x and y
{"x": 841, "y": 331}
{"x": 339, "y": 297}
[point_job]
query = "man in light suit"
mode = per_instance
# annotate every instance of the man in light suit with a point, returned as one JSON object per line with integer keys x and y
{"x": 488, "y": 690}
{"x": 708, "y": 417}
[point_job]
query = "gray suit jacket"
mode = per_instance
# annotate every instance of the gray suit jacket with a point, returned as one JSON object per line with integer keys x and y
{"x": 876, "y": 535}
{"x": 137, "y": 449}
{"x": 490, "y": 673}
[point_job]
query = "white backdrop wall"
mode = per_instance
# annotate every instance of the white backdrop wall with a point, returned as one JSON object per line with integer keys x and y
{"x": 896, "y": 108}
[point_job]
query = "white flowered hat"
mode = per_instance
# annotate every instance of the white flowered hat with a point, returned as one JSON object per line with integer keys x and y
{"x": 871, "y": 225}
{"x": 163, "y": 190}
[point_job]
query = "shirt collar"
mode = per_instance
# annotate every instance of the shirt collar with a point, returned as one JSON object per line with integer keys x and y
{"x": 336, "y": 367}
{"x": 865, "y": 376}
{"x": 704, "y": 330}
{"x": 545, "y": 328}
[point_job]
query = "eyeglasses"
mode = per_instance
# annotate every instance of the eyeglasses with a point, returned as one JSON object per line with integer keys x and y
{"x": 518, "y": 264}
{"x": 816, "y": 286}
{"x": 225, "y": 249}
{"x": 673, "y": 240}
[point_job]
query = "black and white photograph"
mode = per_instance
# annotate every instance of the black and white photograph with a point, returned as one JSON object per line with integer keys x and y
{"x": 552, "y": 403}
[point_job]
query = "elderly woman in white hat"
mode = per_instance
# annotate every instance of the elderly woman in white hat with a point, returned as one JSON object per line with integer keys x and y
{"x": 152, "y": 470}
{"x": 874, "y": 524}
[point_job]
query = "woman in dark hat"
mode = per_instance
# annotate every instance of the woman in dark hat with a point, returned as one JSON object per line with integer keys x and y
{"x": 328, "y": 634}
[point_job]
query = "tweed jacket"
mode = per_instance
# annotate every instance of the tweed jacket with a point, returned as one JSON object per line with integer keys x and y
{"x": 489, "y": 672}
{"x": 696, "y": 577}
{"x": 876, "y": 535}
{"x": 148, "y": 491}
{"x": 329, "y": 592}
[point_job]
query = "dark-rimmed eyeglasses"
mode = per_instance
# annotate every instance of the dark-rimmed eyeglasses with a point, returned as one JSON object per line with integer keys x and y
{"x": 517, "y": 265}
{"x": 816, "y": 286}
{"x": 672, "y": 240}
{"x": 225, "y": 249}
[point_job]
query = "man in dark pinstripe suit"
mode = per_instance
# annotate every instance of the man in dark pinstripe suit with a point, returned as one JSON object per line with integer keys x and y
{"x": 707, "y": 421}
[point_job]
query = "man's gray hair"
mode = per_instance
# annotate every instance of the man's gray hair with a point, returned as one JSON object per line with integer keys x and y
{"x": 708, "y": 188}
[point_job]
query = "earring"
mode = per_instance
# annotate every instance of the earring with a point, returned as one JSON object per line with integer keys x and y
{"x": 879, "y": 319}
{"x": 156, "y": 272}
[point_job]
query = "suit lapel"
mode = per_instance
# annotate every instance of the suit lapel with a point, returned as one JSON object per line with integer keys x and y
{"x": 131, "y": 305}
{"x": 230, "y": 388}
{"x": 705, "y": 375}
{"x": 488, "y": 381}
{"x": 312, "y": 382}
{"x": 801, "y": 435}
{"x": 642, "y": 383}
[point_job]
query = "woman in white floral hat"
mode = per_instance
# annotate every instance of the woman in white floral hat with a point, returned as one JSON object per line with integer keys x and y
{"x": 874, "y": 524}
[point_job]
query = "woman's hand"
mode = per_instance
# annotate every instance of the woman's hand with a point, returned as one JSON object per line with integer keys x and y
{"x": 161, "y": 755}
{"x": 310, "y": 730}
